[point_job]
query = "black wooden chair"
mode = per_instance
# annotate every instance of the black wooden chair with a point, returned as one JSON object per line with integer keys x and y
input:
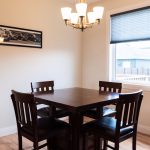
{"x": 120, "y": 128}
{"x": 107, "y": 111}
{"x": 33, "y": 128}
{"x": 44, "y": 87}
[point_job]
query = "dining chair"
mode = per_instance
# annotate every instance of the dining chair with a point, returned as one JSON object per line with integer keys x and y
{"x": 33, "y": 128}
{"x": 120, "y": 128}
{"x": 45, "y": 110}
{"x": 107, "y": 87}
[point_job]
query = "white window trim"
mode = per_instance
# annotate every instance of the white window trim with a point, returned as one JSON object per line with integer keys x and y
{"x": 126, "y": 85}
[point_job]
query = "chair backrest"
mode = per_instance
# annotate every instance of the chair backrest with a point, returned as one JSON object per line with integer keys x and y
{"x": 110, "y": 86}
{"x": 127, "y": 109}
{"x": 25, "y": 109}
{"x": 42, "y": 87}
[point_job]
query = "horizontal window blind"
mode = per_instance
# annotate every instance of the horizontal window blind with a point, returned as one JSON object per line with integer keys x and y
{"x": 131, "y": 26}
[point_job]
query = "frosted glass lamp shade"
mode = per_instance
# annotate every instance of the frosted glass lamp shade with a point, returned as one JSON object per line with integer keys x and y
{"x": 66, "y": 13}
{"x": 74, "y": 18}
{"x": 81, "y": 9}
{"x": 98, "y": 12}
{"x": 91, "y": 17}
{"x": 1, "y": 39}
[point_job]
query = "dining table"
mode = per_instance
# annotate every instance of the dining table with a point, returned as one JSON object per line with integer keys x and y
{"x": 77, "y": 100}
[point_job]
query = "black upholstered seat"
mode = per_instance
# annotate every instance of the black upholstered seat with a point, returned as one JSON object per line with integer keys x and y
{"x": 107, "y": 127}
{"x": 46, "y": 112}
{"x": 47, "y": 127}
{"x": 106, "y": 112}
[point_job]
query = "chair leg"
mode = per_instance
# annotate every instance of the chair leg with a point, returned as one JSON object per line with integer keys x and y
{"x": 69, "y": 119}
{"x": 134, "y": 141}
{"x": 20, "y": 141}
{"x": 67, "y": 142}
{"x": 69, "y": 138}
{"x": 49, "y": 144}
{"x": 35, "y": 145}
{"x": 85, "y": 141}
{"x": 105, "y": 144}
{"x": 98, "y": 142}
{"x": 117, "y": 145}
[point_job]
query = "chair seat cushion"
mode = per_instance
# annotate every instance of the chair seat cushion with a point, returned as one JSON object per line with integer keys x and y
{"x": 48, "y": 127}
{"x": 106, "y": 112}
{"x": 109, "y": 111}
{"x": 106, "y": 126}
{"x": 45, "y": 112}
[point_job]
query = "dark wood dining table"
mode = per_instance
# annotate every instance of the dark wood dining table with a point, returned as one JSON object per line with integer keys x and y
{"x": 77, "y": 101}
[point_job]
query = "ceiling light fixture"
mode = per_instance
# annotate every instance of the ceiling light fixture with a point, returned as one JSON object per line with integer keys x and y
{"x": 79, "y": 20}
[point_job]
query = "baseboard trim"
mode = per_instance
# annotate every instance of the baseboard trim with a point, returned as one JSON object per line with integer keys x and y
{"x": 8, "y": 130}
{"x": 144, "y": 129}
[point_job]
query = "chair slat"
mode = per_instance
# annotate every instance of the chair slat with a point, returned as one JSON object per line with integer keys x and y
{"x": 105, "y": 88}
{"x": 109, "y": 89}
{"x": 131, "y": 113}
{"x": 28, "y": 120}
{"x": 135, "y": 112}
{"x": 18, "y": 110}
{"x": 22, "y": 113}
{"x": 125, "y": 115}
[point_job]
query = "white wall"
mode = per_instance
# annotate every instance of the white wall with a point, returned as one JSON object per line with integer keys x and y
{"x": 96, "y": 53}
{"x": 58, "y": 60}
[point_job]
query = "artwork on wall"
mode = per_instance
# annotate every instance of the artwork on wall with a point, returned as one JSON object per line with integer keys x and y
{"x": 14, "y": 36}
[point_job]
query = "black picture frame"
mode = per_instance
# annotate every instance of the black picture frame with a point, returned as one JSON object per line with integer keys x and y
{"x": 14, "y": 36}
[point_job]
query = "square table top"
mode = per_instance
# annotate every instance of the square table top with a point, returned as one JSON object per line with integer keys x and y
{"x": 77, "y": 98}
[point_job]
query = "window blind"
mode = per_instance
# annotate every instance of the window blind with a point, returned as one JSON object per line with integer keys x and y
{"x": 131, "y": 26}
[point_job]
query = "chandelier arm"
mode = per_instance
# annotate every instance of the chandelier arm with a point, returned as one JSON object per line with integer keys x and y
{"x": 66, "y": 21}
{"x": 72, "y": 25}
{"x": 76, "y": 26}
{"x": 97, "y": 21}
{"x": 81, "y": 26}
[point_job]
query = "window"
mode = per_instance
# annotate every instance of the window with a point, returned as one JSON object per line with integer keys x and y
{"x": 130, "y": 46}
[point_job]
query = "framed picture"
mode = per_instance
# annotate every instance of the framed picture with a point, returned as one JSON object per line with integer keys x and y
{"x": 14, "y": 36}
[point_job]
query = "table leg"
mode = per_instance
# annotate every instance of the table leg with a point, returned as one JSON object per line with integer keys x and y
{"x": 76, "y": 121}
{"x": 99, "y": 115}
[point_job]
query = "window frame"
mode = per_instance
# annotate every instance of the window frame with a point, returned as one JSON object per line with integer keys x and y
{"x": 126, "y": 85}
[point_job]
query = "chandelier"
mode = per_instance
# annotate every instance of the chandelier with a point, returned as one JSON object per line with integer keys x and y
{"x": 81, "y": 20}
